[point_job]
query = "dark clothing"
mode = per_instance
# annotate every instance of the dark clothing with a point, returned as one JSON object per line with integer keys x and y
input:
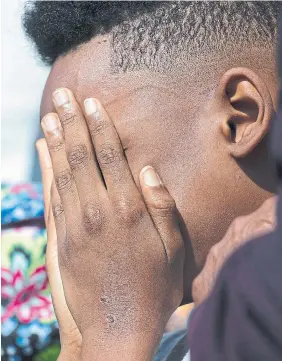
{"x": 242, "y": 318}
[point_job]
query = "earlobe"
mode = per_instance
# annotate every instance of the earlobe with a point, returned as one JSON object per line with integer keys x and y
{"x": 248, "y": 110}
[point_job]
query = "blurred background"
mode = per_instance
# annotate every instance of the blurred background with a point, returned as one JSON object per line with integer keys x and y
{"x": 23, "y": 79}
{"x": 29, "y": 331}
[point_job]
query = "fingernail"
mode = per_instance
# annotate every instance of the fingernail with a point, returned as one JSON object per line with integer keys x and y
{"x": 91, "y": 107}
{"x": 51, "y": 123}
{"x": 150, "y": 177}
{"x": 61, "y": 97}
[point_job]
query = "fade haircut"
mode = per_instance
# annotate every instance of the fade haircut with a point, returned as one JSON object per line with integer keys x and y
{"x": 151, "y": 34}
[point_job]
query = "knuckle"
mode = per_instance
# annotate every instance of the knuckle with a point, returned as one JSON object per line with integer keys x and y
{"x": 97, "y": 128}
{"x": 237, "y": 226}
{"x": 130, "y": 213}
{"x": 257, "y": 228}
{"x": 64, "y": 180}
{"x": 78, "y": 156}
{"x": 55, "y": 144}
{"x": 162, "y": 206}
{"x": 58, "y": 211}
{"x": 68, "y": 115}
{"x": 215, "y": 255}
{"x": 250, "y": 229}
{"x": 108, "y": 156}
{"x": 242, "y": 229}
{"x": 92, "y": 218}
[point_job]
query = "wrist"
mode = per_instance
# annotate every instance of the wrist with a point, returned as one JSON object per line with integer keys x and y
{"x": 70, "y": 345}
{"x": 122, "y": 346}
{"x": 70, "y": 352}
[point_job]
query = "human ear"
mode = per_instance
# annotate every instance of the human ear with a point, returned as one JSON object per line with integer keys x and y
{"x": 247, "y": 110}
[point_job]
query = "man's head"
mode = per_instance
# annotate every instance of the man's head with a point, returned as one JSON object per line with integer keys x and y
{"x": 191, "y": 88}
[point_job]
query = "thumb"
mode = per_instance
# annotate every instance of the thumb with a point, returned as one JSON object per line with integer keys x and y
{"x": 163, "y": 211}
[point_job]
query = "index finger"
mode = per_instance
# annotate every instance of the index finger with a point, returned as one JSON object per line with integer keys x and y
{"x": 109, "y": 152}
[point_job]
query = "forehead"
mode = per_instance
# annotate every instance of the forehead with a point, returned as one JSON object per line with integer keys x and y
{"x": 87, "y": 72}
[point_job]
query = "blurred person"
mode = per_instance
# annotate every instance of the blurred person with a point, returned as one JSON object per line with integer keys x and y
{"x": 239, "y": 314}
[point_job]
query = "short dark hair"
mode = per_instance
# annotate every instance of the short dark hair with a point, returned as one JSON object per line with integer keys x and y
{"x": 147, "y": 33}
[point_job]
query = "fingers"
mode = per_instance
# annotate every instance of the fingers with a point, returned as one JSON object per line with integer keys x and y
{"x": 47, "y": 180}
{"x": 50, "y": 204}
{"x": 81, "y": 158}
{"x": 52, "y": 246}
{"x": 109, "y": 152}
{"x": 163, "y": 211}
{"x": 78, "y": 146}
{"x": 57, "y": 223}
{"x": 62, "y": 173}
{"x": 52, "y": 262}
{"x": 46, "y": 173}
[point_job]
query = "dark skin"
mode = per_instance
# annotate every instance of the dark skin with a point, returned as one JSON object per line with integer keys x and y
{"x": 70, "y": 336}
{"x": 242, "y": 98}
{"x": 106, "y": 221}
{"x": 241, "y": 230}
{"x": 184, "y": 134}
